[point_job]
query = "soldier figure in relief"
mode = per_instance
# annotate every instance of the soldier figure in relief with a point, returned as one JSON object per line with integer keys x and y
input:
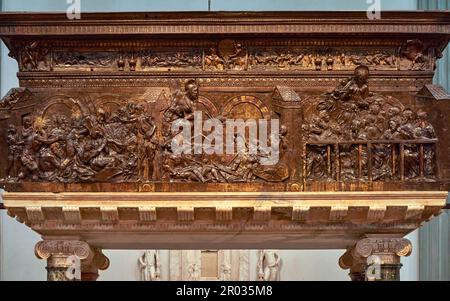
{"x": 182, "y": 104}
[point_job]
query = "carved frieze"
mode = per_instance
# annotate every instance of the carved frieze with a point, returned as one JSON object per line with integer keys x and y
{"x": 234, "y": 55}
{"x": 321, "y": 59}
{"x": 62, "y": 60}
{"x": 150, "y": 60}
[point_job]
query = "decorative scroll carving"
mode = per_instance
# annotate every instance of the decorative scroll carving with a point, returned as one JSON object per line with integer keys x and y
{"x": 90, "y": 266}
{"x": 45, "y": 249}
{"x": 63, "y": 258}
{"x": 71, "y": 214}
{"x": 71, "y": 260}
{"x": 369, "y": 246}
{"x": 35, "y": 214}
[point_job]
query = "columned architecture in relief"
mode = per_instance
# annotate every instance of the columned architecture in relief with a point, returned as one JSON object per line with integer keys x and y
{"x": 219, "y": 131}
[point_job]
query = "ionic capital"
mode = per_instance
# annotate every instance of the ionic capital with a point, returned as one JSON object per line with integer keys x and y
{"x": 379, "y": 246}
{"x": 46, "y": 248}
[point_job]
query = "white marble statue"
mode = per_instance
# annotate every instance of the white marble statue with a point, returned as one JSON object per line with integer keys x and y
{"x": 149, "y": 265}
{"x": 269, "y": 265}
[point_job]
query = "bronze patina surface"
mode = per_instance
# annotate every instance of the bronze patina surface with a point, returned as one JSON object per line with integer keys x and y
{"x": 97, "y": 97}
{"x": 86, "y": 153}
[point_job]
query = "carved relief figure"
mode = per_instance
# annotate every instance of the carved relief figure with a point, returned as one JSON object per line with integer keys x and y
{"x": 34, "y": 57}
{"x": 179, "y": 59}
{"x": 229, "y": 55}
{"x": 150, "y": 266}
{"x": 214, "y": 61}
{"x": 182, "y": 103}
{"x": 316, "y": 163}
{"x": 382, "y": 162}
{"x": 413, "y": 51}
{"x": 30, "y": 143}
{"x": 269, "y": 265}
{"x": 424, "y": 130}
{"x": 97, "y": 59}
{"x": 348, "y": 166}
{"x": 14, "y": 151}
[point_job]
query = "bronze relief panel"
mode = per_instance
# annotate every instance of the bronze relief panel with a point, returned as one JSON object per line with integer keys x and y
{"x": 110, "y": 114}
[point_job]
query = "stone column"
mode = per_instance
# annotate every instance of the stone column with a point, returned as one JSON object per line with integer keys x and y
{"x": 376, "y": 258}
{"x": 356, "y": 265}
{"x": 90, "y": 266}
{"x": 67, "y": 258}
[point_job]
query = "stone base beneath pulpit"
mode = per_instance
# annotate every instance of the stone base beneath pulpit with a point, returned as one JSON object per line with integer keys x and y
{"x": 367, "y": 224}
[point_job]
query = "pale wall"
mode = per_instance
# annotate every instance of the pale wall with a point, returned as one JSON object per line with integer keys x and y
{"x": 16, "y": 250}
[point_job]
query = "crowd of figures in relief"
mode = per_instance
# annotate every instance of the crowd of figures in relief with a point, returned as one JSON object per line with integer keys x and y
{"x": 347, "y": 134}
{"x": 233, "y": 55}
{"x": 356, "y": 134}
{"x": 122, "y": 145}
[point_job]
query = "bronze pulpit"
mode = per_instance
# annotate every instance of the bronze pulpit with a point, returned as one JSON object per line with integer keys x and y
{"x": 137, "y": 130}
